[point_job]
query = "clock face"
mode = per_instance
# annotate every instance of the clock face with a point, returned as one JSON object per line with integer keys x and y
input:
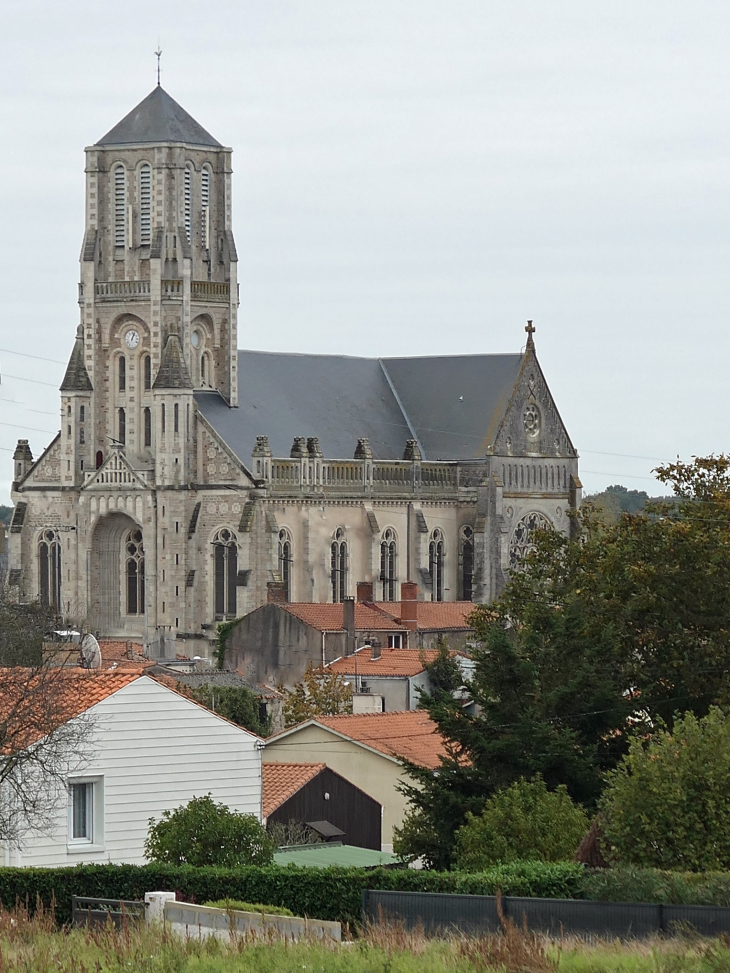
{"x": 131, "y": 339}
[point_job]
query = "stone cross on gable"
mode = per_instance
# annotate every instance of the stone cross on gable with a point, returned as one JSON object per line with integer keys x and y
{"x": 530, "y": 329}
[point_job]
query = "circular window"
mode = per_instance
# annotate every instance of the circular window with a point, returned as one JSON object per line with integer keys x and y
{"x": 523, "y": 537}
{"x": 531, "y": 420}
{"x": 195, "y": 339}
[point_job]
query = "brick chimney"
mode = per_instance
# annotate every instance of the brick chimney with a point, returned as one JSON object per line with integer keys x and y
{"x": 409, "y": 605}
{"x": 348, "y": 623}
{"x": 275, "y": 593}
{"x": 364, "y": 591}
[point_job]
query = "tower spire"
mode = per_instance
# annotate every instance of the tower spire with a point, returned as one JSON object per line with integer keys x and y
{"x": 158, "y": 55}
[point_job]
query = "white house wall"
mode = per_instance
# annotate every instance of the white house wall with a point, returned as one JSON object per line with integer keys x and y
{"x": 155, "y": 751}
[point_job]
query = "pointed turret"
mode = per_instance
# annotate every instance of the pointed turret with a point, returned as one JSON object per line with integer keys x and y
{"x": 158, "y": 118}
{"x": 77, "y": 378}
{"x": 173, "y": 372}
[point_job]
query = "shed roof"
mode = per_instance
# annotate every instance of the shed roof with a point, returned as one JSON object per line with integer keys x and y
{"x": 452, "y": 403}
{"x": 158, "y": 118}
{"x": 282, "y": 781}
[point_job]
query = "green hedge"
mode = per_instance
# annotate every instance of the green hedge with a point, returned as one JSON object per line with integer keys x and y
{"x": 320, "y": 893}
{"x": 627, "y": 884}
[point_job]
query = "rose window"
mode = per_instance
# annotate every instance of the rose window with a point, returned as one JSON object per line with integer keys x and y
{"x": 531, "y": 419}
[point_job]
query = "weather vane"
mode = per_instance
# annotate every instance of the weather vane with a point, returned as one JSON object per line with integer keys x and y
{"x": 158, "y": 54}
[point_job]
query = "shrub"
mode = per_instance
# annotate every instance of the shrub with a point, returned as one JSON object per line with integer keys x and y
{"x": 235, "y": 906}
{"x": 202, "y": 832}
{"x": 629, "y": 884}
{"x": 667, "y": 804}
{"x": 523, "y": 821}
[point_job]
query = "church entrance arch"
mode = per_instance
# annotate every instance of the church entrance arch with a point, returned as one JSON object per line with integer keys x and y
{"x": 118, "y": 600}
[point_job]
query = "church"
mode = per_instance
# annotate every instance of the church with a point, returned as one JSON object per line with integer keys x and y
{"x": 191, "y": 481}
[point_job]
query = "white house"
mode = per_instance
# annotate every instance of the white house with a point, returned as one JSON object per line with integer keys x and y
{"x": 149, "y": 750}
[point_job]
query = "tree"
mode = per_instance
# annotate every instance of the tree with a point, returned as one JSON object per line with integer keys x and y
{"x": 612, "y": 628}
{"x": 321, "y": 693}
{"x": 523, "y": 821}
{"x": 239, "y": 704}
{"x": 667, "y": 804}
{"x": 202, "y": 832}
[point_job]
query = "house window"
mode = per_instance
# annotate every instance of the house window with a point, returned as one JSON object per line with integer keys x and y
{"x": 145, "y": 208}
{"x": 134, "y": 554}
{"x": 187, "y": 200}
{"x": 120, "y": 206}
{"x": 387, "y": 565}
{"x": 147, "y": 414}
{"x": 225, "y": 548}
{"x": 395, "y": 641}
{"x": 436, "y": 565}
{"x": 285, "y": 561}
{"x": 49, "y": 568}
{"x": 82, "y": 812}
{"x": 122, "y": 422}
{"x": 466, "y": 537}
{"x": 147, "y": 372}
{"x": 122, "y": 368}
{"x": 338, "y": 566}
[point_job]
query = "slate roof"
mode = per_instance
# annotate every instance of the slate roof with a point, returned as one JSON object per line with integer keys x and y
{"x": 392, "y": 662}
{"x": 329, "y": 618}
{"x": 158, "y": 118}
{"x": 173, "y": 372}
{"x": 452, "y": 404}
{"x": 282, "y": 781}
{"x": 77, "y": 378}
{"x": 412, "y": 735}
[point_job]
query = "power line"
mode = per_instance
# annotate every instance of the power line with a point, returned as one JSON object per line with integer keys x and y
{"x": 14, "y": 425}
{"x": 24, "y": 354}
{"x": 35, "y": 381}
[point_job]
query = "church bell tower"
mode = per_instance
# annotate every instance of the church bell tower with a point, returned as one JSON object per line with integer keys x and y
{"x": 158, "y": 260}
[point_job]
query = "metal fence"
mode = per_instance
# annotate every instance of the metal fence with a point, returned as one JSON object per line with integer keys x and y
{"x": 478, "y": 914}
{"x": 87, "y": 911}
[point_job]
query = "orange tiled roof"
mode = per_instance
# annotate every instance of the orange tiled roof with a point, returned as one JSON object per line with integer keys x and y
{"x": 281, "y": 781}
{"x": 329, "y": 618}
{"x": 33, "y": 703}
{"x": 117, "y": 653}
{"x": 392, "y": 662}
{"x": 437, "y": 615}
{"x": 412, "y": 734}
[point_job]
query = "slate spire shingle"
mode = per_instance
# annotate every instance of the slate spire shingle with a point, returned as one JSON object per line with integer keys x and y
{"x": 77, "y": 378}
{"x": 158, "y": 118}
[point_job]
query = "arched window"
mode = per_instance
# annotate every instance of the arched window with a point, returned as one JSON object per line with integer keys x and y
{"x": 122, "y": 373}
{"x": 162, "y": 418}
{"x": 49, "y": 568}
{"x": 147, "y": 427}
{"x": 147, "y": 372}
{"x": 285, "y": 561}
{"x": 120, "y": 206}
{"x": 202, "y": 369}
{"x": 225, "y": 549}
{"x": 388, "y": 553}
{"x": 466, "y": 556}
{"x": 82, "y": 435}
{"x": 122, "y": 422}
{"x": 436, "y": 565}
{"x": 82, "y": 414}
{"x": 522, "y": 542}
{"x": 204, "y": 207}
{"x": 134, "y": 558}
{"x": 145, "y": 204}
{"x": 176, "y": 418}
{"x": 99, "y": 459}
{"x": 187, "y": 200}
{"x": 338, "y": 566}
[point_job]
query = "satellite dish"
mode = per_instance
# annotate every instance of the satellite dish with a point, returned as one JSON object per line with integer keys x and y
{"x": 90, "y": 652}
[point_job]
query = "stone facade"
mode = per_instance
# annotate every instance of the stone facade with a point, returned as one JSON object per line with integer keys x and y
{"x": 143, "y": 519}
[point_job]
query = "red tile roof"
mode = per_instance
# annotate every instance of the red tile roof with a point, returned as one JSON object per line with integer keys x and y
{"x": 281, "y": 781}
{"x": 392, "y": 662}
{"x": 123, "y": 655}
{"x": 329, "y": 618}
{"x": 436, "y": 615}
{"x": 412, "y": 735}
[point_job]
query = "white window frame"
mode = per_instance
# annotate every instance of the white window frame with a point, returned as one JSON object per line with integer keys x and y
{"x": 95, "y": 840}
{"x": 395, "y": 641}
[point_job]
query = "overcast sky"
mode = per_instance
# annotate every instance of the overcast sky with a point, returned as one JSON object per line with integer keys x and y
{"x": 411, "y": 177}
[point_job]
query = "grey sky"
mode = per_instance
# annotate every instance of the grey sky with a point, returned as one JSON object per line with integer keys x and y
{"x": 411, "y": 176}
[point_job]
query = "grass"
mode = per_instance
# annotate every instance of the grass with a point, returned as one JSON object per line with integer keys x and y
{"x": 35, "y": 945}
{"x": 235, "y": 906}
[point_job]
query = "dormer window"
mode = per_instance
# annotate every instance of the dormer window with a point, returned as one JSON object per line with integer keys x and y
{"x": 145, "y": 204}
{"x": 120, "y": 206}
